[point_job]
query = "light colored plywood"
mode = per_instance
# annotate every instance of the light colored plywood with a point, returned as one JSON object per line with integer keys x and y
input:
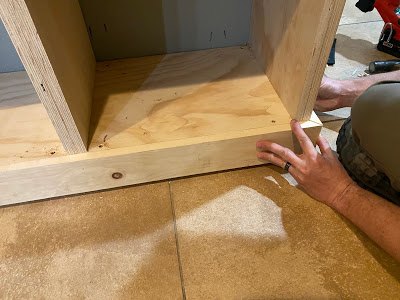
{"x": 292, "y": 39}
{"x": 51, "y": 39}
{"x": 178, "y": 96}
{"x": 26, "y": 132}
{"x": 101, "y": 170}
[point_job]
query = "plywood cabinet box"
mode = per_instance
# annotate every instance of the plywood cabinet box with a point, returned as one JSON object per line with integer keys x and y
{"x": 178, "y": 88}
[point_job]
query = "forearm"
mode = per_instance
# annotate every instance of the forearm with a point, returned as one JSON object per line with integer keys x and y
{"x": 376, "y": 217}
{"x": 352, "y": 89}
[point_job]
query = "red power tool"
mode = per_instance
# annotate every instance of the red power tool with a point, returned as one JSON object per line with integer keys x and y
{"x": 389, "y": 10}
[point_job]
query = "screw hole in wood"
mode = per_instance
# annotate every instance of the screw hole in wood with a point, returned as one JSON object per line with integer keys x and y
{"x": 117, "y": 175}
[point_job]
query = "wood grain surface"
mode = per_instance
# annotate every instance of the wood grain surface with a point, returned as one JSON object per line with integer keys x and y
{"x": 292, "y": 40}
{"x": 26, "y": 132}
{"x": 177, "y": 96}
{"x": 94, "y": 171}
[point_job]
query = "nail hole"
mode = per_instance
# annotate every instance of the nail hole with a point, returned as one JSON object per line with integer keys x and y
{"x": 101, "y": 146}
{"x": 52, "y": 152}
{"x": 117, "y": 175}
{"x": 43, "y": 87}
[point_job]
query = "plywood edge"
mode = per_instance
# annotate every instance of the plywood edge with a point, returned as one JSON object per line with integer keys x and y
{"x": 45, "y": 72}
{"x": 115, "y": 168}
{"x": 329, "y": 23}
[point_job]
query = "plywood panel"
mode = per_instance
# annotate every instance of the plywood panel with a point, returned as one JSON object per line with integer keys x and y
{"x": 177, "y": 96}
{"x": 204, "y": 24}
{"x": 126, "y": 28}
{"x": 51, "y": 39}
{"x": 9, "y": 60}
{"x": 16, "y": 89}
{"x": 292, "y": 39}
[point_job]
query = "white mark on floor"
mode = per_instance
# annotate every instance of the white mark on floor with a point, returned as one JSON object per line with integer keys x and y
{"x": 240, "y": 212}
{"x": 66, "y": 269}
{"x": 289, "y": 178}
{"x": 270, "y": 178}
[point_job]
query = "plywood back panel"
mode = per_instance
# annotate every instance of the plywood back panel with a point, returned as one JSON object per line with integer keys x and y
{"x": 51, "y": 39}
{"x": 126, "y": 28}
{"x": 291, "y": 40}
{"x": 9, "y": 60}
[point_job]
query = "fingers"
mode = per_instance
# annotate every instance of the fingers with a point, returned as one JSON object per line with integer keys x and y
{"x": 324, "y": 146}
{"x": 283, "y": 153}
{"x": 272, "y": 158}
{"x": 322, "y": 105}
{"x": 277, "y": 161}
{"x": 305, "y": 143}
{"x": 327, "y": 104}
{"x": 295, "y": 173}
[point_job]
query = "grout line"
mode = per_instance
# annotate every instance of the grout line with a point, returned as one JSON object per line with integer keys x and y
{"x": 364, "y": 22}
{"x": 177, "y": 242}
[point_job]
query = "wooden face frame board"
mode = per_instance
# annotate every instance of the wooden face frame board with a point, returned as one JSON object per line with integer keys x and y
{"x": 184, "y": 123}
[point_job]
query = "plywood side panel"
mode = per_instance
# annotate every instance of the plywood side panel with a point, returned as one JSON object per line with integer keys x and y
{"x": 51, "y": 39}
{"x": 115, "y": 168}
{"x": 291, "y": 40}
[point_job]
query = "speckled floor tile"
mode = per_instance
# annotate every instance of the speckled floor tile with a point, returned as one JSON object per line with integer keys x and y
{"x": 249, "y": 234}
{"x": 117, "y": 244}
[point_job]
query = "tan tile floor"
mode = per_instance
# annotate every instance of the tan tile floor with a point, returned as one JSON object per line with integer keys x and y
{"x": 108, "y": 245}
{"x": 236, "y": 244}
{"x": 245, "y": 234}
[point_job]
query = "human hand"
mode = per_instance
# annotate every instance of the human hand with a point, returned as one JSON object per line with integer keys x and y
{"x": 334, "y": 94}
{"x": 320, "y": 175}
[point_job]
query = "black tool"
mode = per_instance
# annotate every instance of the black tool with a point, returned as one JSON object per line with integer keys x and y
{"x": 384, "y": 66}
{"x": 332, "y": 55}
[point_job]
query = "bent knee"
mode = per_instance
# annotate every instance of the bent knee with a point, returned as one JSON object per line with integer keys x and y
{"x": 376, "y": 126}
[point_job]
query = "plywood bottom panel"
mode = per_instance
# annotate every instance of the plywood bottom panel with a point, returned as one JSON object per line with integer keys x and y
{"x": 177, "y": 96}
{"x": 26, "y": 132}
